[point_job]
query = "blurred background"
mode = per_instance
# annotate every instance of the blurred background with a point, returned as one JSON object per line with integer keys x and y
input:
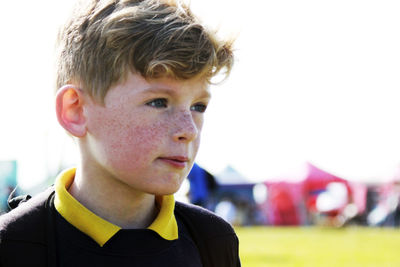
{"x": 305, "y": 131}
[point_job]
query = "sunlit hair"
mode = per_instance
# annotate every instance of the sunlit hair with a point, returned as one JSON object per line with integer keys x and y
{"x": 106, "y": 39}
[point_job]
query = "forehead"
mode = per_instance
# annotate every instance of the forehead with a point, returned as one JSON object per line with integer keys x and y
{"x": 197, "y": 87}
{"x": 136, "y": 84}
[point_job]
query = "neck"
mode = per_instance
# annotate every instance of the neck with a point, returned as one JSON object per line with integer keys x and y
{"x": 113, "y": 200}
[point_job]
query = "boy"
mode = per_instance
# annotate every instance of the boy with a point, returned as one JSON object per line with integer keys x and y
{"x": 133, "y": 79}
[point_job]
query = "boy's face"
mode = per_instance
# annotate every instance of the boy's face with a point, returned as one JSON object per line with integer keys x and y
{"x": 147, "y": 133}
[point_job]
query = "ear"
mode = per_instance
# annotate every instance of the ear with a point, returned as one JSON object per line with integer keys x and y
{"x": 69, "y": 109}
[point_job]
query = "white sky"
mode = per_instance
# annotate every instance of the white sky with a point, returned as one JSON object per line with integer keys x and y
{"x": 314, "y": 81}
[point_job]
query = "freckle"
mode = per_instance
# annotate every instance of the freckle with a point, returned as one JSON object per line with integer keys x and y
{"x": 147, "y": 135}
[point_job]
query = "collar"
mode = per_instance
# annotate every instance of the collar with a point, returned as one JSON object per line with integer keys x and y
{"x": 99, "y": 229}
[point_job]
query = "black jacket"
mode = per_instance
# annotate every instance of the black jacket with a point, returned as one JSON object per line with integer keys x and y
{"x": 27, "y": 234}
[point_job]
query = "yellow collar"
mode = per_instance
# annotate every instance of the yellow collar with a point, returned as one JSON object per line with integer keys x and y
{"x": 99, "y": 229}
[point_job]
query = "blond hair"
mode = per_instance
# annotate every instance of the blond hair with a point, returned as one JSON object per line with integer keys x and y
{"x": 105, "y": 39}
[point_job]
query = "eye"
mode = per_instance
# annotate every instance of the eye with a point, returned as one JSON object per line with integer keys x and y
{"x": 158, "y": 103}
{"x": 199, "y": 107}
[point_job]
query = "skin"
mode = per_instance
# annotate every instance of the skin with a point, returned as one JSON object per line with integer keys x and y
{"x": 140, "y": 144}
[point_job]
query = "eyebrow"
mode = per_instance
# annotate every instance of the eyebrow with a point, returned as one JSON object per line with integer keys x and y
{"x": 151, "y": 90}
{"x": 206, "y": 94}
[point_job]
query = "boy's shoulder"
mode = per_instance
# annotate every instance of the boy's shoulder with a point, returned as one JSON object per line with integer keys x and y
{"x": 24, "y": 233}
{"x": 27, "y": 222}
{"x": 215, "y": 238}
{"x": 25, "y": 228}
{"x": 205, "y": 220}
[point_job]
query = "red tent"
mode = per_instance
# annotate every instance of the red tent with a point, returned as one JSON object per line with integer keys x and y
{"x": 315, "y": 192}
{"x": 320, "y": 186}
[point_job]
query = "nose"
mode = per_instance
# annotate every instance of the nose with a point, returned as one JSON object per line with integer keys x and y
{"x": 185, "y": 129}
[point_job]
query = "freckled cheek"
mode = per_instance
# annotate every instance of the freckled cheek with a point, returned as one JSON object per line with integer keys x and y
{"x": 136, "y": 145}
{"x": 196, "y": 142}
{"x": 199, "y": 123}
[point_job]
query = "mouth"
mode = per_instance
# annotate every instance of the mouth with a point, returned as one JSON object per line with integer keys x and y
{"x": 178, "y": 162}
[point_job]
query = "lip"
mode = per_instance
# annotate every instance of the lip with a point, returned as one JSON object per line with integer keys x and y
{"x": 178, "y": 162}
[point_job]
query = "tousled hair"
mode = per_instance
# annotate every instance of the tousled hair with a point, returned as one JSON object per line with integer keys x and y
{"x": 106, "y": 39}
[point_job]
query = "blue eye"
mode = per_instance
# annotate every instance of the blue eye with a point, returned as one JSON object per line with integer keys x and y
{"x": 199, "y": 107}
{"x": 158, "y": 103}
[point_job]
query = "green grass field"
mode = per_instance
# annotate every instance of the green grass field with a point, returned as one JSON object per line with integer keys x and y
{"x": 313, "y": 246}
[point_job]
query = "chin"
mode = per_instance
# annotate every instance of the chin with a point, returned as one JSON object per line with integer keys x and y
{"x": 167, "y": 189}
